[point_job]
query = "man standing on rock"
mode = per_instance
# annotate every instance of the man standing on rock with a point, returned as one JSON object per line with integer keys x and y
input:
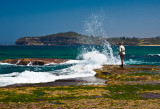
{"x": 121, "y": 53}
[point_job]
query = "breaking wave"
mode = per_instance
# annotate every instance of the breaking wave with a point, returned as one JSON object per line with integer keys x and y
{"x": 84, "y": 66}
{"x": 80, "y": 68}
{"x": 154, "y": 54}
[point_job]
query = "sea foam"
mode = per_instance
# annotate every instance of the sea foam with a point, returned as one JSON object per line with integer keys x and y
{"x": 84, "y": 66}
{"x": 154, "y": 54}
{"x": 80, "y": 68}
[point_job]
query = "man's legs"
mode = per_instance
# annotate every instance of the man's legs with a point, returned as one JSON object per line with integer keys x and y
{"x": 122, "y": 60}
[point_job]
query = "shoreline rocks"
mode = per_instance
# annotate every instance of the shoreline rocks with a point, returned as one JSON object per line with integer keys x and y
{"x": 33, "y": 61}
{"x": 130, "y": 74}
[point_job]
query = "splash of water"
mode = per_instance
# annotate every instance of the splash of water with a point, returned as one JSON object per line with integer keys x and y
{"x": 94, "y": 27}
{"x": 80, "y": 68}
{"x": 89, "y": 59}
{"x": 109, "y": 54}
{"x": 18, "y": 62}
{"x": 30, "y": 63}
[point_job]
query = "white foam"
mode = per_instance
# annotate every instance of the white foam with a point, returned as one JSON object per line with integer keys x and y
{"x": 72, "y": 62}
{"x": 18, "y": 62}
{"x": 26, "y": 77}
{"x": 114, "y": 60}
{"x": 67, "y": 62}
{"x": 131, "y": 61}
{"x": 5, "y": 63}
{"x": 154, "y": 54}
{"x": 80, "y": 68}
{"x": 10, "y": 75}
{"x": 34, "y": 77}
{"x": 52, "y": 63}
{"x": 95, "y": 57}
{"x": 29, "y": 64}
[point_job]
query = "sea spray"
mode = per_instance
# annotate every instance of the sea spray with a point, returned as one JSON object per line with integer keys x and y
{"x": 94, "y": 27}
{"x": 18, "y": 62}
{"x": 79, "y": 68}
{"x": 112, "y": 59}
{"x": 30, "y": 63}
{"x": 89, "y": 59}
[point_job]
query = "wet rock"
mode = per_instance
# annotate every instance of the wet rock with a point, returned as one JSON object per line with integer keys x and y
{"x": 141, "y": 78}
{"x": 130, "y": 74}
{"x": 23, "y": 62}
{"x": 38, "y": 63}
{"x": 150, "y": 96}
{"x": 33, "y": 61}
{"x": 10, "y": 61}
{"x": 105, "y": 73}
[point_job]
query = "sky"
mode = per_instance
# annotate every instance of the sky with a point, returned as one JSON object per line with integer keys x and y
{"x": 130, "y": 18}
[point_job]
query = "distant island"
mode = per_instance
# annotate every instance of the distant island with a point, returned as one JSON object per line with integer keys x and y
{"x": 73, "y": 38}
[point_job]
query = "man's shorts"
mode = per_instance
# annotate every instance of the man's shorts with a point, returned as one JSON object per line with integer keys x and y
{"x": 122, "y": 57}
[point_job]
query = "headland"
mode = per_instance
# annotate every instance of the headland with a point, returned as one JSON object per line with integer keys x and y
{"x": 73, "y": 38}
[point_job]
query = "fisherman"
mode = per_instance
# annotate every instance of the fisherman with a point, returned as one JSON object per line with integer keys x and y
{"x": 121, "y": 53}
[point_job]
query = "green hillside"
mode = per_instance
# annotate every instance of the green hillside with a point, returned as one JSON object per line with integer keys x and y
{"x": 73, "y": 38}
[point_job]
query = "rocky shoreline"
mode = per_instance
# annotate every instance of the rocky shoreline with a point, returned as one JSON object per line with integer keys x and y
{"x": 33, "y": 61}
{"x": 134, "y": 86}
{"x": 91, "y": 80}
{"x": 107, "y": 75}
{"x": 130, "y": 74}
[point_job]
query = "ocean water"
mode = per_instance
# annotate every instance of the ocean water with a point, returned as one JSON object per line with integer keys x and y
{"x": 82, "y": 61}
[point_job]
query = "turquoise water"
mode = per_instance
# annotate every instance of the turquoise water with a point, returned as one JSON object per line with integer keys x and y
{"x": 149, "y": 55}
{"x": 143, "y": 55}
{"x": 83, "y": 59}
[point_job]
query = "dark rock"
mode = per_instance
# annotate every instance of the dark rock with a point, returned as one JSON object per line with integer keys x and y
{"x": 33, "y": 61}
{"x": 105, "y": 73}
{"x": 38, "y": 63}
{"x": 150, "y": 96}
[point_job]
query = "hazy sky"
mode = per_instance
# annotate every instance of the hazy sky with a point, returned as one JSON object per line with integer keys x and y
{"x": 19, "y": 18}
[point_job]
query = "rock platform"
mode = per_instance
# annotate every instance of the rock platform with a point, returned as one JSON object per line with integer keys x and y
{"x": 33, "y": 61}
{"x": 130, "y": 74}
